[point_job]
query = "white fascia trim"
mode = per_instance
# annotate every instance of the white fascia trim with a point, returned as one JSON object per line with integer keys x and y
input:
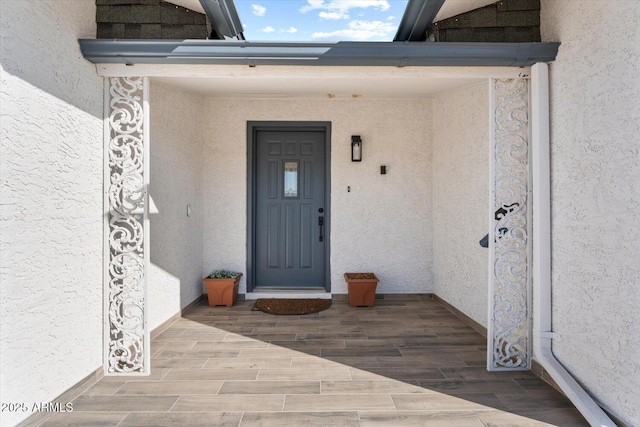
{"x": 542, "y": 331}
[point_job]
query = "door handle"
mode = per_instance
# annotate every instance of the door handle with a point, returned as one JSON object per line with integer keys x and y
{"x": 321, "y": 224}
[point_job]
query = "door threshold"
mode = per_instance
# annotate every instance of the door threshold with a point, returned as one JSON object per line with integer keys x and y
{"x": 284, "y": 292}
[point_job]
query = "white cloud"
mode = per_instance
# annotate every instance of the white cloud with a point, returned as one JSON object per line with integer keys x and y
{"x": 290, "y": 30}
{"x": 353, "y": 35}
{"x": 378, "y": 26}
{"x": 339, "y": 9}
{"x": 314, "y": 4}
{"x": 359, "y": 31}
{"x": 258, "y": 10}
{"x": 268, "y": 29}
{"x": 333, "y": 15}
{"x": 390, "y": 18}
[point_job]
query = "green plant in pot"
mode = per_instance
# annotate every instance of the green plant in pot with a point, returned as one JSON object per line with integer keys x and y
{"x": 222, "y": 287}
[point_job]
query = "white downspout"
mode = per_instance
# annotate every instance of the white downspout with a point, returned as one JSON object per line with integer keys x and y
{"x": 542, "y": 332}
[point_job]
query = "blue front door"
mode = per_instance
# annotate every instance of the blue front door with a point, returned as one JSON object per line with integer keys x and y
{"x": 290, "y": 212}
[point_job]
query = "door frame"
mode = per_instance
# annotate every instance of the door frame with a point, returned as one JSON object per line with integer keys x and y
{"x": 253, "y": 127}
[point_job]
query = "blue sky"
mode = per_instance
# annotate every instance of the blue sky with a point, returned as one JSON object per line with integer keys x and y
{"x": 320, "y": 20}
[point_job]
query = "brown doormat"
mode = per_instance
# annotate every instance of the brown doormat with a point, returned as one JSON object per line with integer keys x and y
{"x": 291, "y": 306}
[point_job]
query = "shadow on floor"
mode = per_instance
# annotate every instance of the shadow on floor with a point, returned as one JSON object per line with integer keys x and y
{"x": 409, "y": 339}
{"x": 406, "y": 361}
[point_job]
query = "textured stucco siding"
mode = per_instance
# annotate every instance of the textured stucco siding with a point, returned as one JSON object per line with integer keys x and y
{"x": 50, "y": 200}
{"x": 461, "y": 198}
{"x": 176, "y": 126}
{"x": 595, "y": 179}
{"x": 383, "y": 225}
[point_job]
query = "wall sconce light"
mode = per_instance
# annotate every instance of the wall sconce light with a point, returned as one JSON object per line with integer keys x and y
{"x": 356, "y": 148}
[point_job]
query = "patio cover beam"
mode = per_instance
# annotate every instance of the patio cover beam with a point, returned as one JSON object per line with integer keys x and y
{"x": 417, "y": 18}
{"x": 224, "y": 18}
{"x": 104, "y": 51}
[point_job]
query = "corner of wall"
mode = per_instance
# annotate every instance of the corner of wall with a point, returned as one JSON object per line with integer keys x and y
{"x": 595, "y": 191}
{"x": 460, "y": 198}
{"x": 176, "y": 188}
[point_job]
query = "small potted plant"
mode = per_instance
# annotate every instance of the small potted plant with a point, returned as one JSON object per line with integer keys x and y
{"x": 362, "y": 289}
{"x": 222, "y": 287}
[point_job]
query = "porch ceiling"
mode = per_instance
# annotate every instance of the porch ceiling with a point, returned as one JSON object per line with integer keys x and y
{"x": 375, "y": 87}
{"x": 225, "y": 81}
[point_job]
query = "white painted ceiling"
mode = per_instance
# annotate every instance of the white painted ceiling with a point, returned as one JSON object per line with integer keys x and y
{"x": 317, "y": 87}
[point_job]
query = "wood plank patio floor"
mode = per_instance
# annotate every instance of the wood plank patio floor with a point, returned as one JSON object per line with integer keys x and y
{"x": 405, "y": 362}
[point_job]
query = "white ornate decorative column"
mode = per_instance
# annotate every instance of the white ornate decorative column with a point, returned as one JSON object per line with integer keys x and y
{"x": 126, "y": 226}
{"x": 509, "y": 345}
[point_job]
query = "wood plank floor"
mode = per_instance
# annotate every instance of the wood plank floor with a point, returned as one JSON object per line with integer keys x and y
{"x": 405, "y": 362}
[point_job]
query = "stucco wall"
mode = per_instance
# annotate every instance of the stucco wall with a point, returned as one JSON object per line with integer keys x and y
{"x": 175, "y": 181}
{"x": 461, "y": 198}
{"x": 50, "y": 201}
{"x": 382, "y": 225}
{"x": 595, "y": 179}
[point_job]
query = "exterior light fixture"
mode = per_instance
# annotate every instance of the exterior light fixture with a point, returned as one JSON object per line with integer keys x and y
{"x": 356, "y": 148}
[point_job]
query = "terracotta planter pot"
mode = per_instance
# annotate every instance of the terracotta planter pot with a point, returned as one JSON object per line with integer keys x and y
{"x": 362, "y": 289}
{"x": 222, "y": 291}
